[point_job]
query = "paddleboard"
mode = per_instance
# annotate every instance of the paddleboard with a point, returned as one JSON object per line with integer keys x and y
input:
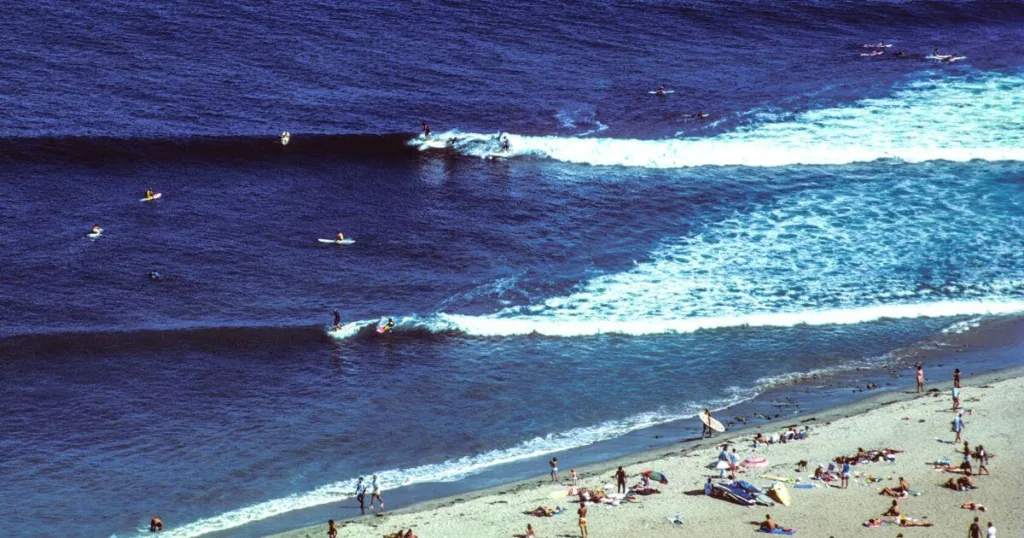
{"x": 155, "y": 196}
{"x": 780, "y": 493}
{"x": 336, "y": 242}
{"x": 712, "y": 422}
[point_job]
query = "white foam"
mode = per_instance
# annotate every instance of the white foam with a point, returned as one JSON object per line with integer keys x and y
{"x": 452, "y": 470}
{"x": 958, "y": 119}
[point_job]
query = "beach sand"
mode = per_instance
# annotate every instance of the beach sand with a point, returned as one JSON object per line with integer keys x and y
{"x": 880, "y": 421}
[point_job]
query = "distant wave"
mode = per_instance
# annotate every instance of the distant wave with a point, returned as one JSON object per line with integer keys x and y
{"x": 500, "y": 325}
{"x": 958, "y": 119}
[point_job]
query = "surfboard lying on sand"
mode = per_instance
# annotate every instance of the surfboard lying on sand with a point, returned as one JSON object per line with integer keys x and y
{"x": 155, "y": 196}
{"x": 336, "y": 242}
{"x": 780, "y": 493}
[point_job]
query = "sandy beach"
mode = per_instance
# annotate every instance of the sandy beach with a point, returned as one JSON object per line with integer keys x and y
{"x": 917, "y": 425}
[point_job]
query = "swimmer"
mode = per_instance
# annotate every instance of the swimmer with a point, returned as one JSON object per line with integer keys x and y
{"x": 155, "y": 525}
{"x": 426, "y": 130}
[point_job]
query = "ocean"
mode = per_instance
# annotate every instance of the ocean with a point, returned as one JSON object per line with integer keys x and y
{"x": 623, "y": 265}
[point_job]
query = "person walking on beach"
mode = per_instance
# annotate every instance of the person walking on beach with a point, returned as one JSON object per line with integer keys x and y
{"x": 990, "y": 532}
{"x": 974, "y": 531}
{"x": 920, "y": 378}
{"x": 583, "y": 519}
{"x": 956, "y": 398}
{"x": 982, "y": 460}
{"x": 958, "y": 426}
{"x": 375, "y": 493}
{"x": 620, "y": 478}
{"x": 332, "y": 531}
{"x": 845, "y": 478}
{"x": 956, "y": 378}
{"x": 554, "y": 469}
{"x": 361, "y": 495}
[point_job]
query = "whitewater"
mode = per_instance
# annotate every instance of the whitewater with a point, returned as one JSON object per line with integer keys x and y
{"x": 958, "y": 119}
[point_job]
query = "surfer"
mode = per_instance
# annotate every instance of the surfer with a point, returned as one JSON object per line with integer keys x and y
{"x": 340, "y": 237}
{"x": 706, "y": 424}
{"x": 426, "y": 130}
{"x": 153, "y": 275}
{"x": 388, "y": 326}
{"x": 505, "y": 145}
{"x": 698, "y": 116}
{"x": 96, "y": 229}
{"x": 155, "y": 525}
{"x": 149, "y": 194}
{"x": 337, "y": 320}
{"x": 451, "y": 141}
{"x": 661, "y": 91}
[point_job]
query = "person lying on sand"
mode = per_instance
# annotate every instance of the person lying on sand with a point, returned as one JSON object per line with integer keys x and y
{"x": 972, "y": 506}
{"x": 543, "y": 511}
{"x": 906, "y": 522}
{"x": 963, "y": 483}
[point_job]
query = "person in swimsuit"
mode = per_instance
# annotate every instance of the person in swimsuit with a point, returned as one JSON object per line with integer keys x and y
{"x": 337, "y": 319}
{"x": 332, "y": 531}
{"x": 982, "y": 460}
{"x": 426, "y": 130}
{"x": 704, "y": 426}
{"x": 389, "y": 325}
{"x": 583, "y": 519}
{"x": 920, "y": 378}
{"x": 573, "y": 477}
{"x": 554, "y": 469}
{"x": 375, "y": 493}
{"x": 155, "y": 525}
{"x": 529, "y": 531}
{"x": 974, "y": 531}
{"x": 661, "y": 90}
{"x": 505, "y": 145}
{"x": 149, "y": 194}
{"x": 956, "y": 378}
{"x": 893, "y": 510}
{"x": 620, "y": 478}
{"x": 340, "y": 237}
{"x": 96, "y": 229}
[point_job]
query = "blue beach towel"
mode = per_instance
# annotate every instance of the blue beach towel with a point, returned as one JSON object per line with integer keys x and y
{"x": 778, "y": 531}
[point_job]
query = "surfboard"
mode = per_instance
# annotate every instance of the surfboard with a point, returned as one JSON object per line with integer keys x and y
{"x": 666, "y": 92}
{"x": 336, "y": 242}
{"x": 778, "y": 478}
{"x": 155, "y": 196}
{"x": 780, "y": 493}
{"x": 714, "y": 423}
{"x": 561, "y": 494}
{"x": 94, "y": 235}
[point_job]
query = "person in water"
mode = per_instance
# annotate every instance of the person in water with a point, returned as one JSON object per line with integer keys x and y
{"x": 337, "y": 319}
{"x": 155, "y": 525}
{"x": 661, "y": 90}
{"x": 340, "y": 237}
{"x": 96, "y": 229}
{"x": 505, "y": 145}
{"x": 389, "y": 325}
{"x": 426, "y": 130}
{"x": 149, "y": 194}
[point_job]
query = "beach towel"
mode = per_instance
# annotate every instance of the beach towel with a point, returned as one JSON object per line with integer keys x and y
{"x": 786, "y": 532}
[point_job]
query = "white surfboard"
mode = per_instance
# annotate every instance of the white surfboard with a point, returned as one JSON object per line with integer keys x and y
{"x": 94, "y": 235}
{"x": 336, "y": 242}
{"x": 155, "y": 196}
{"x": 666, "y": 92}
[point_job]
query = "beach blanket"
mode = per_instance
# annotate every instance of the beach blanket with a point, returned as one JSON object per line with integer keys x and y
{"x": 786, "y": 532}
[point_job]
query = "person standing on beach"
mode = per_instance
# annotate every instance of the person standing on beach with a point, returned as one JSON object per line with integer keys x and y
{"x": 332, "y": 531}
{"x": 920, "y": 378}
{"x": 583, "y": 520}
{"x": 956, "y": 398}
{"x": 554, "y": 469}
{"x": 975, "y": 529}
{"x": 573, "y": 477}
{"x": 620, "y": 477}
{"x": 956, "y": 378}
{"x": 361, "y": 495}
{"x": 990, "y": 532}
{"x": 375, "y": 494}
{"x": 845, "y": 479}
{"x": 958, "y": 426}
{"x": 705, "y": 425}
{"x": 982, "y": 460}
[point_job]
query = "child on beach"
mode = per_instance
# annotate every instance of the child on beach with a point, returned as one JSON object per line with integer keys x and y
{"x": 573, "y": 477}
{"x": 332, "y": 531}
{"x": 920, "y": 378}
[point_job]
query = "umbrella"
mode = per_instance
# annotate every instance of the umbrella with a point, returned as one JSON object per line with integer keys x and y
{"x": 655, "y": 476}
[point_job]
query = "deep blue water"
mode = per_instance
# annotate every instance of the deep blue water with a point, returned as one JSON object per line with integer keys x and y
{"x": 622, "y": 266}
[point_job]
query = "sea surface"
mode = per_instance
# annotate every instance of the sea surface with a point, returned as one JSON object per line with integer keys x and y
{"x": 622, "y": 266}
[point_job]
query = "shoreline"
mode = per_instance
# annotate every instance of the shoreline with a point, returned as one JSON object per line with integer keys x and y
{"x": 993, "y": 336}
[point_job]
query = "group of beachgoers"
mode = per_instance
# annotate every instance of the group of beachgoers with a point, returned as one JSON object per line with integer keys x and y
{"x": 787, "y": 435}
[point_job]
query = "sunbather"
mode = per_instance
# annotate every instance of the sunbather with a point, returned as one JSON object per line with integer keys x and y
{"x": 963, "y": 483}
{"x": 906, "y": 522}
{"x": 971, "y": 505}
{"x": 769, "y": 524}
{"x": 893, "y": 510}
{"x": 543, "y": 511}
